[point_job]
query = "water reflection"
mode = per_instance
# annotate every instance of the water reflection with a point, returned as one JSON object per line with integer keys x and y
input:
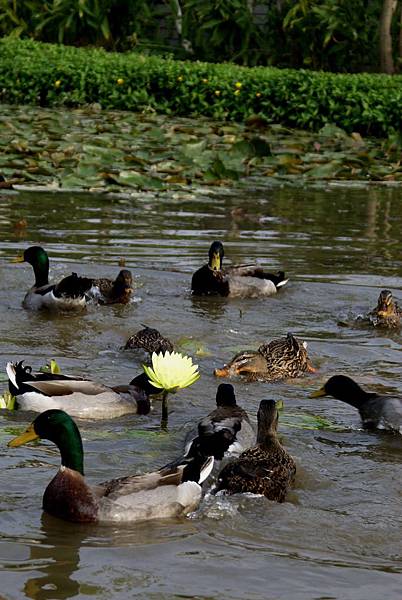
{"x": 58, "y": 550}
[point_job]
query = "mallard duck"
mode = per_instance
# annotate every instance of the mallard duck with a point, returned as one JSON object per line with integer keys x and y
{"x": 285, "y": 357}
{"x": 266, "y": 468}
{"x": 149, "y": 340}
{"x": 168, "y": 492}
{"x": 237, "y": 281}
{"x": 227, "y": 429}
{"x": 376, "y": 410}
{"x": 69, "y": 293}
{"x": 82, "y": 397}
{"x": 107, "y": 291}
{"x": 387, "y": 313}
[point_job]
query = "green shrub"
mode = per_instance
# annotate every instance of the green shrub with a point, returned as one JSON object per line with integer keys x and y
{"x": 51, "y": 75}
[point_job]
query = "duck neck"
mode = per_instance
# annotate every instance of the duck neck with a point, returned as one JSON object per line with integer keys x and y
{"x": 70, "y": 445}
{"x": 41, "y": 270}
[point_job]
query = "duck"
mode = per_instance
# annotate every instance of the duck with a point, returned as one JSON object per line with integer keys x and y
{"x": 279, "y": 359}
{"x": 242, "y": 281}
{"x": 81, "y": 397}
{"x": 167, "y": 492}
{"x": 225, "y": 431}
{"x": 387, "y": 313}
{"x": 150, "y": 340}
{"x": 376, "y": 411}
{"x": 109, "y": 291}
{"x": 265, "y": 468}
{"x": 67, "y": 294}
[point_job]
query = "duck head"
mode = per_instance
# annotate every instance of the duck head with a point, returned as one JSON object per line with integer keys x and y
{"x": 225, "y": 395}
{"x": 267, "y": 418}
{"x": 385, "y": 304}
{"x": 216, "y": 254}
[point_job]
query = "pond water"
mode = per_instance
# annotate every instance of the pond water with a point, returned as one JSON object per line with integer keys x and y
{"x": 338, "y": 535}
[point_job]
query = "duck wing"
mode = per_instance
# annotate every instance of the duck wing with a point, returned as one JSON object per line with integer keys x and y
{"x": 72, "y": 286}
{"x": 66, "y": 387}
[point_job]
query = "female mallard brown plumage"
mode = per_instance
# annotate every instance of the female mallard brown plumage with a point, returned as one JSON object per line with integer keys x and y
{"x": 237, "y": 281}
{"x": 81, "y": 397}
{"x": 149, "y": 340}
{"x": 387, "y": 313}
{"x": 169, "y": 492}
{"x": 109, "y": 291}
{"x": 282, "y": 358}
{"x": 69, "y": 293}
{"x": 266, "y": 468}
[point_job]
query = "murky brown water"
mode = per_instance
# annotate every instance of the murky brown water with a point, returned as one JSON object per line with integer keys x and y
{"x": 338, "y": 536}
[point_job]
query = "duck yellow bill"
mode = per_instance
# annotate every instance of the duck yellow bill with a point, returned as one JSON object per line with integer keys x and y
{"x": 318, "y": 393}
{"x": 28, "y": 436}
{"x": 216, "y": 262}
{"x": 18, "y": 259}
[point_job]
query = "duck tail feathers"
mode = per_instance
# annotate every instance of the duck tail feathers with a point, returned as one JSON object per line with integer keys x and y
{"x": 73, "y": 286}
{"x": 11, "y": 373}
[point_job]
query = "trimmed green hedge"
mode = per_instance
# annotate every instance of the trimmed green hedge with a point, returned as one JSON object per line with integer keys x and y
{"x": 51, "y": 75}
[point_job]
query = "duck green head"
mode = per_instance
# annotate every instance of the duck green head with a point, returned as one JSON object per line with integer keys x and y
{"x": 225, "y": 395}
{"x": 342, "y": 388}
{"x": 216, "y": 254}
{"x": 38, "y": 258}
{"x": 58, "y": 427}
{"x": 267, "y": 418}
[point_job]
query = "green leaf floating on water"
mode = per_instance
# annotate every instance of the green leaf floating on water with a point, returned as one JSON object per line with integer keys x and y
{"x": 192, "y": 346}
{"x": 308, "y": 421}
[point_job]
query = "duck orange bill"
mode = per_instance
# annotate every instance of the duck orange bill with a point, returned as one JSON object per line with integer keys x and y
{"x": 28, "y": 436}
{"x": 318, "y": 393}
{"x": 18, "y": 259}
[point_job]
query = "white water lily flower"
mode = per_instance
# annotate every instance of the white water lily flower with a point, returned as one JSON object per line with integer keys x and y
{"x": 7, "y": 401}
{"x": 171, "y": 371}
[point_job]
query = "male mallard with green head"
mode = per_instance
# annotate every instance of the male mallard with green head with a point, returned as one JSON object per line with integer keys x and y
{"x": 168, "y": 492}
{"x": 281, "y": 358}
{"x": 242, "y": 281}
{"x": 225, "y": 430}
{"x": 266, "y": 468}
{"x": 67, "y": 294}
{"x": 376, "y": 410}
{"x": 81, "y": 397}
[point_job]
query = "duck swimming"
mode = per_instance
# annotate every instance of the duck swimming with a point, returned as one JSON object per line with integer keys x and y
{"x": 82, "y": 397}
{"x": 67, "y": 294}
{"x": 265, "y": 468}
{"x": 107, "y": 291}
{"x": 376, "y": 410}
{"x": 149, "y": 340}
{"x": 243, "y": 281}
{"x": 281, "y": 358}
{"x": 167, "y": 492}
{"x": 387, "y": 313}
{"x": 225, "y": 430}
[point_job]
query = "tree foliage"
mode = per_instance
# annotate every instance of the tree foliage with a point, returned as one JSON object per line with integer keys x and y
{"x": 337, "y": 35}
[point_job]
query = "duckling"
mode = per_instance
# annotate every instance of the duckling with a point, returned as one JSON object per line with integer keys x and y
{"x": 225, "y": 430}
{"x": 387, "y": 313}
{"x": 242, "y": 281}
{"x": 107, "y": 291}
{"x": 69, "y": 293}
{"x": 82, "y": 397}
{"x": 150, "y": 340}
{"x": 285, "y": 357}
{"x": 168, "y": 492}
{"x": 266, "y": 468}
{"x": 376, "y": 410}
